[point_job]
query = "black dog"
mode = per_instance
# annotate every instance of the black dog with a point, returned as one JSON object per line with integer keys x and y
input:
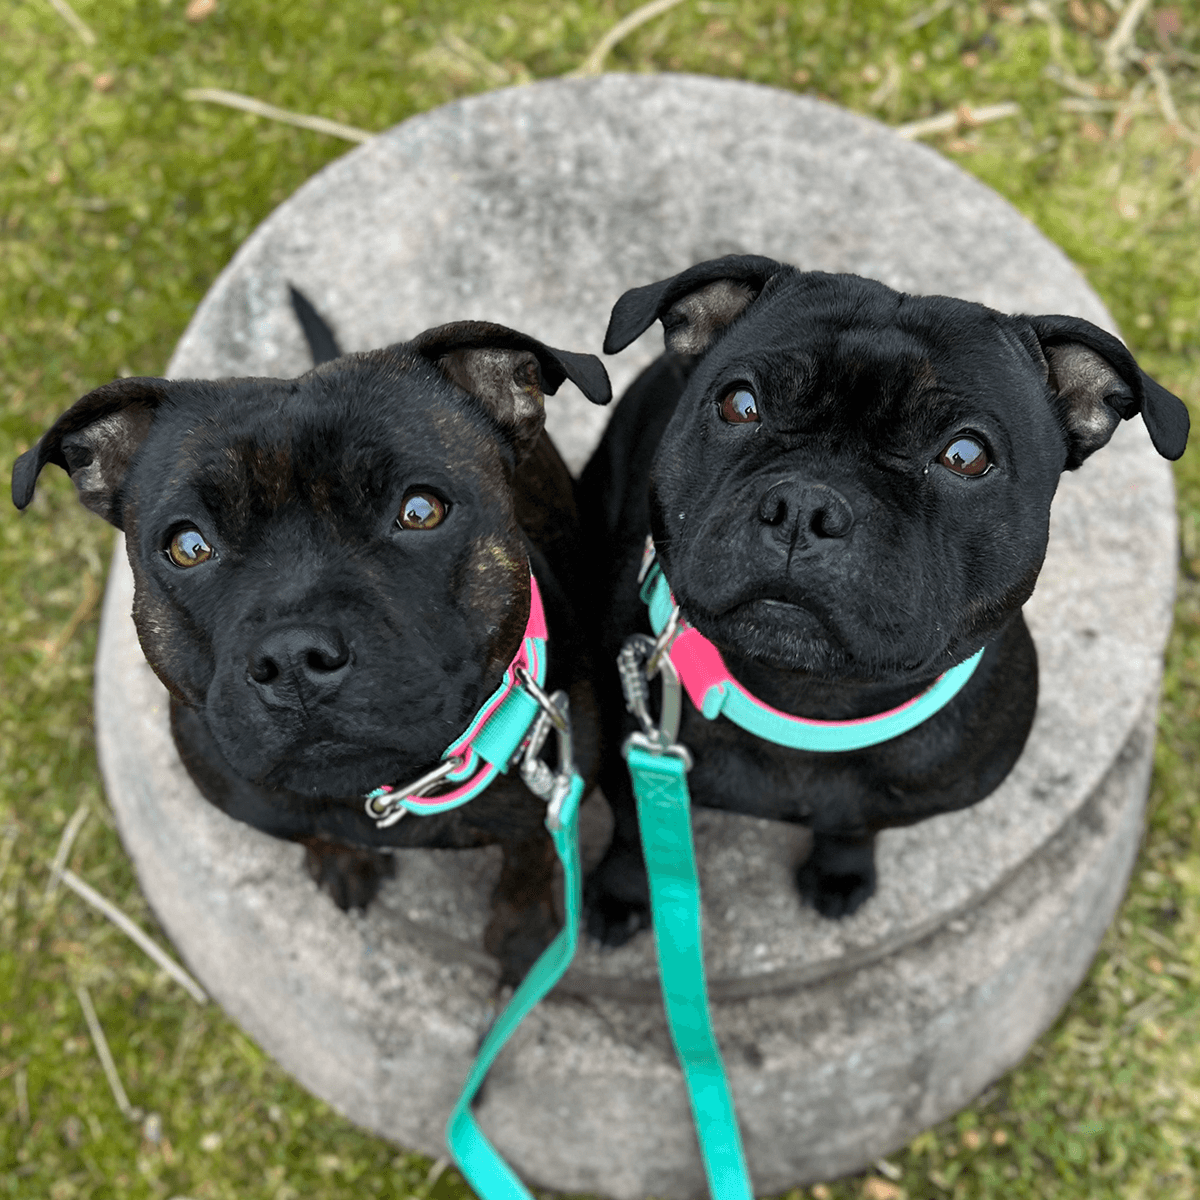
{"x": 849, "y": 492}
{"x": 332, "y": 575}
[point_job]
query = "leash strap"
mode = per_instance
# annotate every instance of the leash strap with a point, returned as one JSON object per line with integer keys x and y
{"x": 658, "y": 767}
{"x": 477, "y": 1159}
{"x": 663, "y": 804}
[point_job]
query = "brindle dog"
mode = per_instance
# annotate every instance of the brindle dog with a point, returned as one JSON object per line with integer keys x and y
{"x": 332, "y": 574}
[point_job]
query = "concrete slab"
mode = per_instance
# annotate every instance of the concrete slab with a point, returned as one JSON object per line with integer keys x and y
{"x": 537, "y": 207}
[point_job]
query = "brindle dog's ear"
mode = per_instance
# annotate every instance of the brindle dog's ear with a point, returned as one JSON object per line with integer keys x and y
{"x": 694, "y": 305}
{"x": 1097, "y": 383}
{"x": 94, "y": 441}
{"x": 510, "y": 372}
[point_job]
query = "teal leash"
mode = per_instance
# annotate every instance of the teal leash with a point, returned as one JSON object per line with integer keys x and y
{"x": 477, "y": 1159}
{"x": 664, "y": 813}
{"x": 658, "y": 767}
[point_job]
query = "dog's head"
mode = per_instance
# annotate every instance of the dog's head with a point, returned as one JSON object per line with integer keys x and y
{"x": 857, "y": 482}
{"x": 328, "y": 568}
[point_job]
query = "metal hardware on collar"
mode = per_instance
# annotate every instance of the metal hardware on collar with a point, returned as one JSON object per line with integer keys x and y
{"x": 641, "y": 659}
{"x": 649, "y": 554}
{"x": 490, "y": 744}
{"x": 386, "y": 806}
{"x": 552, "y": 786}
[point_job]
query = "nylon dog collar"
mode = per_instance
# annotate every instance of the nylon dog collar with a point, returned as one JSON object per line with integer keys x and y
{"x": 714, "y": 691}
{"x": 488, "y": 744}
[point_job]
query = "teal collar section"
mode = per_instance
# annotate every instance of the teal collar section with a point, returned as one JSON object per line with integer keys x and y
{"x": 714, "y": 691}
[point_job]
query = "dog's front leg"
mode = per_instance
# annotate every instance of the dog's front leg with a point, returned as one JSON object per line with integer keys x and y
{"x": 351, "y": 875}
{"x": 523, "y": 921}
{"x": 616, "y": 895}
{"x": 839, "y": 873}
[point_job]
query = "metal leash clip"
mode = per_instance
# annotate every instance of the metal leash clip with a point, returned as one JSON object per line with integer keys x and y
{"x": 641, "y": 659}
{"x": 550, "y": 785}
{"x": 386, "y": 808}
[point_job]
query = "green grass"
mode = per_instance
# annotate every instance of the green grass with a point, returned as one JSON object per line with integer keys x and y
{"x": 121, "y": 201}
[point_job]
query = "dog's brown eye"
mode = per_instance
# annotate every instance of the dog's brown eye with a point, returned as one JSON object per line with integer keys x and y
{"x": 189, "y": 549}
{"x": 421, "y": 510}
{"x": 739, "y": 407}
{"x": 965, "y": 456}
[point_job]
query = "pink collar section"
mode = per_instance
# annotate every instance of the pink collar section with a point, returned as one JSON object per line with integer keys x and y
{"x": 488, "y": 744}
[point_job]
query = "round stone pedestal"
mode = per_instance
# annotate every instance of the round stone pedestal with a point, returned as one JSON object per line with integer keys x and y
{"x": 538, "y": 207}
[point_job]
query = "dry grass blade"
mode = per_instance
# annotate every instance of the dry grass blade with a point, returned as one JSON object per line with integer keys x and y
{"x": 1079, "y": 105}
{"x": 962, "y": 117}
{"x": 127, "y": 927}
{"x": 75, "y": 21}
{"x": 69, "y": 834}
{"x": 6, "y": 849}
{"x": 917, "y": 20}
{"x": 1166, "y": 103}
{"x": 1072, "y": 83}
{"x": 475, "y": 59}
{"x": 1122, "y": 36}
{"x": 102, "y": 1050}
{"x": 21, "y": 1084}
{"x": 83, "y": 610}
{"x": 594, "y": 63}
{"x": 261, "y": 109}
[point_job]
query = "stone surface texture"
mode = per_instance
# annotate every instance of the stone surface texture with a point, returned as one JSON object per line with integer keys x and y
{"x": 537, "y": 207}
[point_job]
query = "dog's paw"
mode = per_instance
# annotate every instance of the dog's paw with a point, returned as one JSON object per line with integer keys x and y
{"x": 616, "y": 903}
{"x": 839, "y": 874}
{"x": 352, "y": 875}
{"x": 834, "y": 895}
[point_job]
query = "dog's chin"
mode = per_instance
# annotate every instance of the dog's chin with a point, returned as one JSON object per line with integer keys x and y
{"x": 339, "y": 772}
{"x": 778, "y": 634}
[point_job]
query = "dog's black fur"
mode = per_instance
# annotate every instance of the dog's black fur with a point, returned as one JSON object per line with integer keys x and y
{"x": 322, "y": 649}
{"x": 839, "y": 564}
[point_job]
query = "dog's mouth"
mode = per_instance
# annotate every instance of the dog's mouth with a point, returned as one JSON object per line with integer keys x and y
{"x": 332, "y": 770}
{"x": 776, "y": 630}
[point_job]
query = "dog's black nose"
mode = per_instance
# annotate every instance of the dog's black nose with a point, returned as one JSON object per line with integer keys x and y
{"x": 791, "y": 507}
{"x": 311, "y": 660}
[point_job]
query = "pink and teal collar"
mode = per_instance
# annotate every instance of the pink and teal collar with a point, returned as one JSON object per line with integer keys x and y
{"x": 488, "y": 745}
{"x": 715, "y": 692}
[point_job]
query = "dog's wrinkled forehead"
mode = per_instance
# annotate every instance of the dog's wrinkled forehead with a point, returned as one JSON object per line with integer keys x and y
{"x": 843, "y": 354}
{"x": 334, "y": 443}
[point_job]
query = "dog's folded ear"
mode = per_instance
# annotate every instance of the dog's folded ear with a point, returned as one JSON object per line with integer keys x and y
{"x": 94, "y": 442}
{"x": 510, "y": 372}
{"x": 694, "y": 306}
{"x": 1097, "y": 383}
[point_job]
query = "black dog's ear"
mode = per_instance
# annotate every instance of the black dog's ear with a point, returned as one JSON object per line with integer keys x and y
{"x": 510, "y": 372}
{"x": 1097, "y": 383}
{"x": 693, "y": 305}
{"x": 93, "y": 441}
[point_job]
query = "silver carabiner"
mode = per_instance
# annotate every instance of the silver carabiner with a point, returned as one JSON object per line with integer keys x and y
{"x": 551, "y": 785}
{"x": 642, "y": 658}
